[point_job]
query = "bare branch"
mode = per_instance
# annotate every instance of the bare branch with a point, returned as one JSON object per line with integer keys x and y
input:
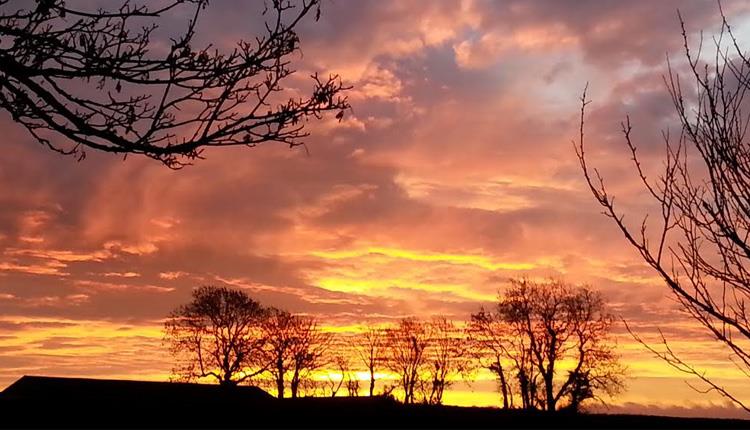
{"x": 703, "y": 250}
{"x": 80, "y": 80}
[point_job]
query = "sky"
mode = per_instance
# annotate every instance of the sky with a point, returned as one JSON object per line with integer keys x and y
{"x": 453, "y": 172}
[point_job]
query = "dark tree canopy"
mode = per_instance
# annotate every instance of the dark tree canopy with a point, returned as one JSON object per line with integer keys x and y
{"x": 295, "y": 347}
{"x": 369, "y": 348}
{"x": 548, "y": 340}
{"x": 94, "y": 79}
{"x": 448, "y": 358}
{"x": 218, "y": 334}
{"x": 406, "y": 356}
{"x": 224, "y": 334}
{"x": 548, "y": 343}
{"x": 426, "y": 357}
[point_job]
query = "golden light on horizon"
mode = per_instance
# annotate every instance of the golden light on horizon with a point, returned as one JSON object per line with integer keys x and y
{"x": 468, "y": 259}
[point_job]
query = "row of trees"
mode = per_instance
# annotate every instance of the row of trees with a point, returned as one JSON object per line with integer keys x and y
{"x": 546, "y": 343}
{"x": 225, "y": 335}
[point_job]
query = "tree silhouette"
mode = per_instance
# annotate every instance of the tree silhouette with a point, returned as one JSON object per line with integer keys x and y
{"x": 96, "y": 80}
{"x": 540, "y": 327}
{"x": 340, "y": 364}
{"x": 426, "y": 357}
{"x": 369, "y": 349}
{"x": 309, "y": 350}
{"x": 406, "y": 355}
{"x": 278, "y": 329}
{"x": 295, "y": 346}
{"x": 217, "y": 335}
{"x": 448, "y": 357}
{"x": 492, "y": 345}
{"x": 352, "y": 384}
{"x": 700, "y": 247}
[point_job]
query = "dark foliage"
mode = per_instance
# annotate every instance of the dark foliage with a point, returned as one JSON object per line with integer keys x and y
{"x": 218, "y": 334}
{"x": 533, "y": 330}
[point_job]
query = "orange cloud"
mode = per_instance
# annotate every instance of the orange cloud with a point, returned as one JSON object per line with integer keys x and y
{"x": 453, "y": 172}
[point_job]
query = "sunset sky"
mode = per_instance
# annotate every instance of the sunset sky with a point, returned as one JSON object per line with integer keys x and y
{"x": 453, "y": 172}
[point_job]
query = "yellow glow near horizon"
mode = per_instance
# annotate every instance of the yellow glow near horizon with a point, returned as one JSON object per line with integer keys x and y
{"x": 645, "y": 374}
{"x": 466, "y": 259}
{"x": 379, "y": 287}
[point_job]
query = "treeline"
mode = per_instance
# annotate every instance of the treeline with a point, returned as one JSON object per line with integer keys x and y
{"x": 547, "y": 344}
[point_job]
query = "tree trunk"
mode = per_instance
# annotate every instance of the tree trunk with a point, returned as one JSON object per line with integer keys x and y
{"x": 227, "y": 382}
{"x": 548, "y": 387}
{"x": 280, "y": 379}
{"x": 524, "y": 383}
{"x": 372, "y": 382}
{"x": 503, "y": 387}
{"x": 280, "y": 386}
{"x": 407, "y": 392}
{"x": 294, "y": 386}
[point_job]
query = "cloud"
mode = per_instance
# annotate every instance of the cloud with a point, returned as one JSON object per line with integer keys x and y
{"x": 453, "y": 173}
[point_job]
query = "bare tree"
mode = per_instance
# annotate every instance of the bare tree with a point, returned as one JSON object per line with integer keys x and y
{"x": 369, "y": 349}
{"x": 597, "y": 369}
{"x": 309, "y": 350}
{"x": 700, "y": 246}
{"x": 406, "y": 355}
{"x": 278, "y": 329}
{"x": 504, "y": 349}
{"x": 295, "y": 348}
{"x": 334, "y": 384}
{"x": 94, "y": 79}
{"x": 539, "y": 326}
{"x": 352, "y": 385}
{"x": 492, "y": 346}
{"x": 448, "y": 357}
{"x": 562, "y": 322}
{"x": 217, "y": 335}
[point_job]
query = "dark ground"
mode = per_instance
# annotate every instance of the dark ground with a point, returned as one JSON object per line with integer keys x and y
{"x": 61, "y": 402}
